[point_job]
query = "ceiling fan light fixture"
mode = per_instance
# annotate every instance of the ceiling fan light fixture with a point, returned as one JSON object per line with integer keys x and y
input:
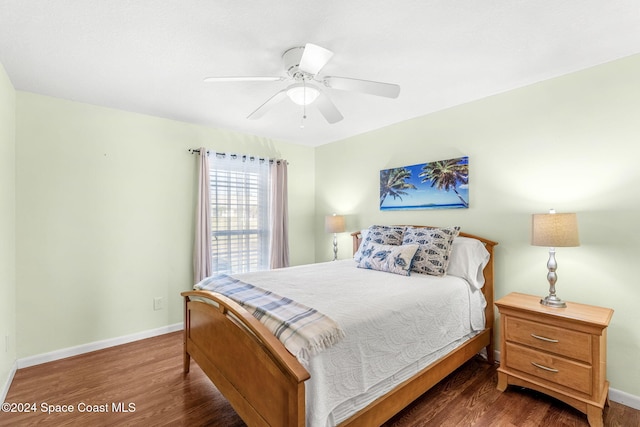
{"x": 302, "y": 94}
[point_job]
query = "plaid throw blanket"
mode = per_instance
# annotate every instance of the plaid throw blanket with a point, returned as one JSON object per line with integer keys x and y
{"x": 304, "y": 331}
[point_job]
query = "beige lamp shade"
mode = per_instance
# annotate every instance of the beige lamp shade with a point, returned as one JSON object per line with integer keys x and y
{"x": 555, "y": 230}
{"x": 334, "y": 223}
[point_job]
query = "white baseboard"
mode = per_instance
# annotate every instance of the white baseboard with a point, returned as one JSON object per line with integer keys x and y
{"x": 38, "y": 359}
{"x": 7, "y": 384}
{"x": 625, "y": 399}
{"x": 615, "y": 395}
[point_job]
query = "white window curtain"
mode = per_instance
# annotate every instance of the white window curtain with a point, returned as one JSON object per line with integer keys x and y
{"x": 248, "y": 228}
{"x": 279, "y": 216}
{"x": 202, "y": 245}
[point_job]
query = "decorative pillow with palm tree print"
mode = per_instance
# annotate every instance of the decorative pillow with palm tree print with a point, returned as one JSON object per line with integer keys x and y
{"x": 382, "y": 235}
{"x": 432, "y": 256}
{"x": 388, "y": 258}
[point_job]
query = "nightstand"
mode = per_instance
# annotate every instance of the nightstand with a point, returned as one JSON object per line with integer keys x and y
{"x": 561, "y": 352}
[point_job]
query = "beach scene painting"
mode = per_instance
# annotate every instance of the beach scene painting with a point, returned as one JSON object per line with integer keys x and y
{"x": 443, "y": 184}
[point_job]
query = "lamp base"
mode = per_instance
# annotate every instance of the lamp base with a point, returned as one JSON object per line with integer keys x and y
{"x": 553, "y": 302}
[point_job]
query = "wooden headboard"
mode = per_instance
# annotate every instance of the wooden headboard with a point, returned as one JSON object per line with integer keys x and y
{"x": 487, "y": 289}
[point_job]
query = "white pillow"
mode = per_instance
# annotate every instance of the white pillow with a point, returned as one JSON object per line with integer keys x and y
{"x": 388, "y": 258}
{"x": 468, "y": 259}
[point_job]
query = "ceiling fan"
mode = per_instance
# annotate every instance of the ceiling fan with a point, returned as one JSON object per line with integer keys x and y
{"x": 302, "y": 65}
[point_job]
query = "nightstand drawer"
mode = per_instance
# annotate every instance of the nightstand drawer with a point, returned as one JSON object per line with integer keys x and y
{"x": 566, "y": 373}
{"x": 573, "y": 344}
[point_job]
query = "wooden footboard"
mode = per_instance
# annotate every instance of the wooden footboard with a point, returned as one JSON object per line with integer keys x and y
{"x": 261, "y": 380}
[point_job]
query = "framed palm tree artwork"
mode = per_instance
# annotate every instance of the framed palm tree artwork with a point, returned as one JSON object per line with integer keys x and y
{"x": 443, "y": 184}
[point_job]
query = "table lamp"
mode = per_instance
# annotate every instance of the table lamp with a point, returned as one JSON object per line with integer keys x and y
{"x": 334, "y": 224}
{"x": 554, "y": 230}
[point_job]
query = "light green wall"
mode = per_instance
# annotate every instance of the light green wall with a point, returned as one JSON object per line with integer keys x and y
{"x": 105, "y": 208}
{"x": 571, "y": 143}
{"x": 7, "y": 228}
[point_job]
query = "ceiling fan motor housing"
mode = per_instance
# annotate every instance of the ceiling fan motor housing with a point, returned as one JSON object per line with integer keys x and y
{"x": 291, "y": 59}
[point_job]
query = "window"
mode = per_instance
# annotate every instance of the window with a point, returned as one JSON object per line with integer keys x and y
{"x": 239, "y": 189}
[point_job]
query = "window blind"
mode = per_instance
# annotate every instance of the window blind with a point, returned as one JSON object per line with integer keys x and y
{"x": 239, "y": 189}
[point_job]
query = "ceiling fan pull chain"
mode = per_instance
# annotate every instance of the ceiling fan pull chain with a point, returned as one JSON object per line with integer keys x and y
{"x": 304, "y": 104}
{"x": 304, "y": 94}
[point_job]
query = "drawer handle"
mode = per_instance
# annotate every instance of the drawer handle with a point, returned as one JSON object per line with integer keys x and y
{"x": 544, "y": 367}
{"x": 543, "y": 338}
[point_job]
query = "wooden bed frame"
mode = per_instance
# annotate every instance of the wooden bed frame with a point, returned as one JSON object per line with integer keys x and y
{"x": 264, "y": 383}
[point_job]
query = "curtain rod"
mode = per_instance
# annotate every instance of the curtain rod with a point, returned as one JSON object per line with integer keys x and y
{"x": 233, "y": 156}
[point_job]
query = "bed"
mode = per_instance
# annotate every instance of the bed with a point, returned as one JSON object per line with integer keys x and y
{"x": 268, "y": 386}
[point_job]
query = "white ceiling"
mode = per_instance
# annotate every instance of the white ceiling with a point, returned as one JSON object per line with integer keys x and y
{"x": 150, "y": 56}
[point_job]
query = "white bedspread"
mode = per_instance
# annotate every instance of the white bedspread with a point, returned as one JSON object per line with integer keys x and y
{"x": 394, "y": 326}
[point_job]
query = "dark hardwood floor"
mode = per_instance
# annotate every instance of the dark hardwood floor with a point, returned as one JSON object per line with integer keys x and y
{"x": 142, "y": 384}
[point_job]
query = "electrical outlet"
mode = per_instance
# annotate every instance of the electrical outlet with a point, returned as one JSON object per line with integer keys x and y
{"x": 157, "y": 303}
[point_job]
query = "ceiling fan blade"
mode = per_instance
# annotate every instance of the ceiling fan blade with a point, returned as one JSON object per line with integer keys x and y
{"x": 224, "y": 79}
{"x": 388, "y": 90}
{"x": 262, "y": 110}
{"x": 314, "y": 58}
{"x": 328, "y": 109}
